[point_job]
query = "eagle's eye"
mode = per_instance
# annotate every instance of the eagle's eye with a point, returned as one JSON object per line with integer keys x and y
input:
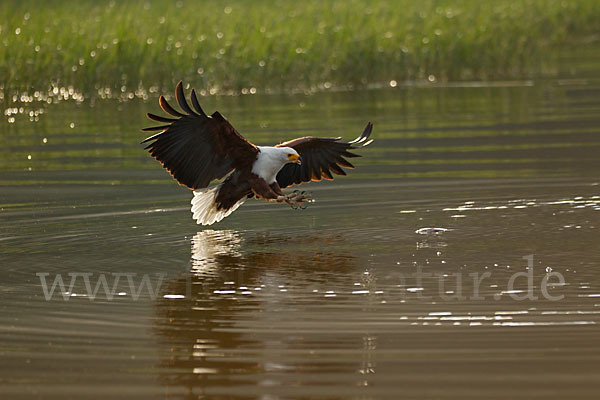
{"x": 289, "y": 155}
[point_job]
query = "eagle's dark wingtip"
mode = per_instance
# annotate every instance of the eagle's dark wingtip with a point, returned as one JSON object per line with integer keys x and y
{"x": 158, "y": 118}
{"x": 180, "y": 96}
{"x": 167, "y": 107}
{"x": 367, "y": 134}
{"x": 149, "y": 139}
{"x": 195, "y": 103}
{"x": 362, "y": 139}
{"x": 155, "y": 128}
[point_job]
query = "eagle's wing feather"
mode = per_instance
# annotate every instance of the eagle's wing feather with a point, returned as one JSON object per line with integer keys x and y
{"x": 196, "y": 148}
{"x": 320, "y": 157}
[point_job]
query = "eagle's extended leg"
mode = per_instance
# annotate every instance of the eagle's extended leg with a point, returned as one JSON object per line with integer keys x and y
{"x": 295, "y": 199}
{"x": 274, "y": 193}
{"x": 300, "y": 199}
{"x": 264, "y": 191}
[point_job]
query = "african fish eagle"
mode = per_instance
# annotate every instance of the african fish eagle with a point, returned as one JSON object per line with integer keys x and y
{"x": 197, "y": 149}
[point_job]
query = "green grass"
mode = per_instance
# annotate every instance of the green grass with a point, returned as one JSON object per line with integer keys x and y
{"x": 124, "y": 45}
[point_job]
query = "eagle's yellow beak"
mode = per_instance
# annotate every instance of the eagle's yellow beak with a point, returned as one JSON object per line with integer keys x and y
{"x": 295, "y": 158}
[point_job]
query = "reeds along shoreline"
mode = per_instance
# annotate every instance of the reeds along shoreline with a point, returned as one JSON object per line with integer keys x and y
{"x": 107, "y": 48}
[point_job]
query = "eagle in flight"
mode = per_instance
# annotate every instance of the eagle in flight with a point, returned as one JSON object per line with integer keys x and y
{"x": 197, "y": 148}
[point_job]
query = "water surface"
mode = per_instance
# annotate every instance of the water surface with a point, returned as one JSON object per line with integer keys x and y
{"x": 342, "y": 300}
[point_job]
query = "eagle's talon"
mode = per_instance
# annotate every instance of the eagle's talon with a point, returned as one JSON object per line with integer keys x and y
{"x": 299, "y": 200}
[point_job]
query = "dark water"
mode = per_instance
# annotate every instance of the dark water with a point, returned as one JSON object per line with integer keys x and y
{"x": 343, "y": 300}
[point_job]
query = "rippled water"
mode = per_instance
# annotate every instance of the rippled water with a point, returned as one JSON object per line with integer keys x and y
{"x": 355, "y": 297}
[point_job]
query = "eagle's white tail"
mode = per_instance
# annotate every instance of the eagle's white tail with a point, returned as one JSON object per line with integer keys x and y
{"x": 204, "y": 206}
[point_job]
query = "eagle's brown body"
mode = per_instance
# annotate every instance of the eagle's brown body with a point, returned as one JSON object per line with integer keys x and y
{"x": 197, "y": 149}
{"x": 242, "y": 184}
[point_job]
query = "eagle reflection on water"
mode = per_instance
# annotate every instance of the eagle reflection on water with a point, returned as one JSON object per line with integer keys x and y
{"x": 236, "y": 290}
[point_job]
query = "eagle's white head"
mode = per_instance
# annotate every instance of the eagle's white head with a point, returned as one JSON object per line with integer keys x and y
{"x": 288, "y": 155}
{"x": 271, "y": 159}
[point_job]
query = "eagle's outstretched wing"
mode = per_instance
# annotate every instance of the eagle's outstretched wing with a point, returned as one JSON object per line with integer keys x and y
{"x": 194, "y": 147}
{"x": 320, "y": 157}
